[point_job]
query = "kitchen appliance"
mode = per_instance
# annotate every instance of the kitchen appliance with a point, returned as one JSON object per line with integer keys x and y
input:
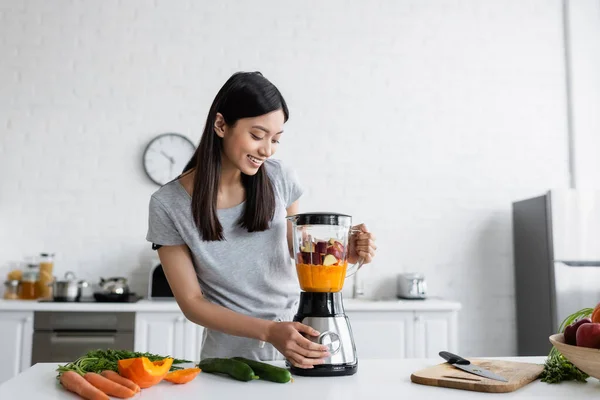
{"x": 465, "y": 365}
{"x": 556, "y": 238}
{"x": 63, "y": 336}
{"x": 113, "y": 286}
{"x": 518, "y": 374}
{"x": 68, "y": 289}
{"x": 411, "y": 286}
{"x": 158, "y": 286}
{"x": 320, "y": 251}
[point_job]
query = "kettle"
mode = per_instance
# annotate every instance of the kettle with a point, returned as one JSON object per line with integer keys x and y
{"x": 411, "y": 286}
{"x": 114, "y": 286}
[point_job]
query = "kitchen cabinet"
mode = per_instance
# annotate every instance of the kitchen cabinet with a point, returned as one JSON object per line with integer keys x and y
{"x": 435, "y": 331}
{"x": 15, "y": 346}
{"x": 403, "y": 334}
{"x": 168, "y": 333}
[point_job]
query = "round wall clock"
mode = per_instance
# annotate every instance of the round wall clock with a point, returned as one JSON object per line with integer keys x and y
{"x": 166, "y": 155}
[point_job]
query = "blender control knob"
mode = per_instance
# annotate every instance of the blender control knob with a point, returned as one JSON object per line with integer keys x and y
{"x": 331, "y": 340}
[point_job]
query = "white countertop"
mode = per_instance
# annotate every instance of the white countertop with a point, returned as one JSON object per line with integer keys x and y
{"x": 375, "y": 379}
{"x": 171, "y": 305}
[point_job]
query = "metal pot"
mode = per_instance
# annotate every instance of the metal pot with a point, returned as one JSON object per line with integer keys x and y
{"x": 68, "y": 289}
{"x": 114, "y": 286}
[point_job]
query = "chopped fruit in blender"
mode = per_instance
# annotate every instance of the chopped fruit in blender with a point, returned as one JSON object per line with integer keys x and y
{"x": 321, "y": 247}
{"x": 311, "y": 258}
{"x": 329, "y": 260}
{"x": 335, "y": 252}
{"x": 308, "y": 247}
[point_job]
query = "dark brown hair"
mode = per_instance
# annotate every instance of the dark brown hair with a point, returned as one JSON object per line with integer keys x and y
{"x": 244, "y": 95}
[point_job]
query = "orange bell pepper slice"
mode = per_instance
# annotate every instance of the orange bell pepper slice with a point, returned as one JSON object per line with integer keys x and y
{"x": 144, "y": 372}
{"x": 182, "y": 375}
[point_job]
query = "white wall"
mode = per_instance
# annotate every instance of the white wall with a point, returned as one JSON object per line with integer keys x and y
{"x": 422, "y": 119}
{"x": 584, "y": 58}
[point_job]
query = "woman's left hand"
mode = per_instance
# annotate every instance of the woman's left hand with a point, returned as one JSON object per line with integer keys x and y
{"x": 361, "y": 244}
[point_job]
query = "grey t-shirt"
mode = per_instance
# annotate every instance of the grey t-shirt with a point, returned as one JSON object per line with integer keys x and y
{"x": 248, "y": 272}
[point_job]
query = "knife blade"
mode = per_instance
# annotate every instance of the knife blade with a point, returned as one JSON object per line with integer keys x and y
{"x": 465, "y": 365}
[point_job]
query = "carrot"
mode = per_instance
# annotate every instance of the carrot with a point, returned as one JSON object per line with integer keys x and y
{"x": 115, "y": 377}
{"x": 109, "y": 387}
{"x": 75, "y": 383}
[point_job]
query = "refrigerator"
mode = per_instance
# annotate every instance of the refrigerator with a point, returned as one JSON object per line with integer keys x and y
{"x": 556, "y": 242}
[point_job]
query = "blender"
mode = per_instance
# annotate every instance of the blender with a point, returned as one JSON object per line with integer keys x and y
{"x": 320, "y": 251}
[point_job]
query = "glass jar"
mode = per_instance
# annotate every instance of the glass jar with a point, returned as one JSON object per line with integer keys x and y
{"x": 11, "y": 289}
{"x": 28, "y": 289}
{"x": 46, "y": 266}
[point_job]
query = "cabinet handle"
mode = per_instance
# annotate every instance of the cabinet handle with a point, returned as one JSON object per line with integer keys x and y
{"x": 418, "y": 318}
{"x": 181, "y": 319}
{"x": 28, "y": 319}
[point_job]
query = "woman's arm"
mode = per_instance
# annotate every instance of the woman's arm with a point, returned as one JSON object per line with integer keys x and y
{"x": 291, "y": 210}
{"x": 179, "y": 270}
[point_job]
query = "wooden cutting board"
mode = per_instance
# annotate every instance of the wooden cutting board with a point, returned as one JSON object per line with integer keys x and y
{"x": 445, "y": 375}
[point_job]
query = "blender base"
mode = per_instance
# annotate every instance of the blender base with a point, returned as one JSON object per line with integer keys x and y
{"x": 326, "y": 370}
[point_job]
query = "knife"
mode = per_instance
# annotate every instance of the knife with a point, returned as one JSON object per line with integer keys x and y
{"x": 466, "y": 365}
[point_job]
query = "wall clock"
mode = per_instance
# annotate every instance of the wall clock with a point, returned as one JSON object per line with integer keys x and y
{"x": 166, "y": 155}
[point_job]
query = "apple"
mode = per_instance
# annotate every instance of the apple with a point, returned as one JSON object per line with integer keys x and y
{"x": 308, "y": 247}
{"x": 588, "y": 335}
{"x": 329, "y": 260}
{"x": 300, "y": 258}
{"x": 571, "y": 331}
{"x": 321, "y": 247}
{"x": 336, "y": 253}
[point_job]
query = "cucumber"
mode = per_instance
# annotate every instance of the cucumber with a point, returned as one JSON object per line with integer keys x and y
{"x": 266, "y": 371}
{"x": 234, "y": 368}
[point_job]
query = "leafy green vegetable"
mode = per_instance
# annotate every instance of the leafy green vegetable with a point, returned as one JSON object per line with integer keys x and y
{"x": 102, "y": 360}
{"x": 557, "y": 368}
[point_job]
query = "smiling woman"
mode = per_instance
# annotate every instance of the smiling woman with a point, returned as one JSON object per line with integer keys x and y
{"x": 222, "y": 236}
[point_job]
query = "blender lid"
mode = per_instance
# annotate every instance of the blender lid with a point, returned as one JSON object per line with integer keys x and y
{"x": 320, "y": 218}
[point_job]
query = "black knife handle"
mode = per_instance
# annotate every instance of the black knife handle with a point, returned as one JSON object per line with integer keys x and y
{"x": 453, "y": 358}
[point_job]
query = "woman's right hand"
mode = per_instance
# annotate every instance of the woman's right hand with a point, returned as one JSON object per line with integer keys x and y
{"x": 298, "y": 350}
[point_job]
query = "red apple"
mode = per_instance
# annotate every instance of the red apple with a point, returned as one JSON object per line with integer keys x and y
{"x": 588, "y": 335}
{"x": 571, "y": 331}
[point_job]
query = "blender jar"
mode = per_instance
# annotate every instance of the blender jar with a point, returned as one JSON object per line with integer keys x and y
{"x": 320, "y": 250}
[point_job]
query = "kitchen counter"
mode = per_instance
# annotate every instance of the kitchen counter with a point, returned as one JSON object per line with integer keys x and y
{"x": 171, "y": 305}
{"x": 376, "y": 379}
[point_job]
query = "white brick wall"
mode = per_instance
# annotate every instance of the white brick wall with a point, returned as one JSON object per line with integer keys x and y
{"x": 422, "y": 119}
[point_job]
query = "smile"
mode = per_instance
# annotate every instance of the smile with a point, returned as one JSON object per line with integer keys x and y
{"x": 255, "y": 161}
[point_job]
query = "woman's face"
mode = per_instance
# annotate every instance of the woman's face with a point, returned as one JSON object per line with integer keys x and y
{"x": 248, "y": 143}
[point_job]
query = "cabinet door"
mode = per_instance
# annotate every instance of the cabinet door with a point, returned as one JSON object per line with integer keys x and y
{"x": 435, "y": 331}
{"x": 160, "y": 333}
{"x": 382, "y": 334}
{"x": 15, "y": 346}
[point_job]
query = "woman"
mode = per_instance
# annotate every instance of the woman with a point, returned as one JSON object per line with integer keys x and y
{"x": 222, "y": 237}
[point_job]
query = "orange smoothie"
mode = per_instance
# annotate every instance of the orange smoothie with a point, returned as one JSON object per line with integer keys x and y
{"x": 321, "y": 278}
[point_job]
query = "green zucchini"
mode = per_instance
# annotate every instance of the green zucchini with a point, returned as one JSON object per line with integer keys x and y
{"x": 266, "y": 371}
{"x": 234, "y": 368}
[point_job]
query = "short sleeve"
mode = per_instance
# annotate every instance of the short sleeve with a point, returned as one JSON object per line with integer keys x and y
{"x": 292, "y": 189}
{"x": 161, "y": 229}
